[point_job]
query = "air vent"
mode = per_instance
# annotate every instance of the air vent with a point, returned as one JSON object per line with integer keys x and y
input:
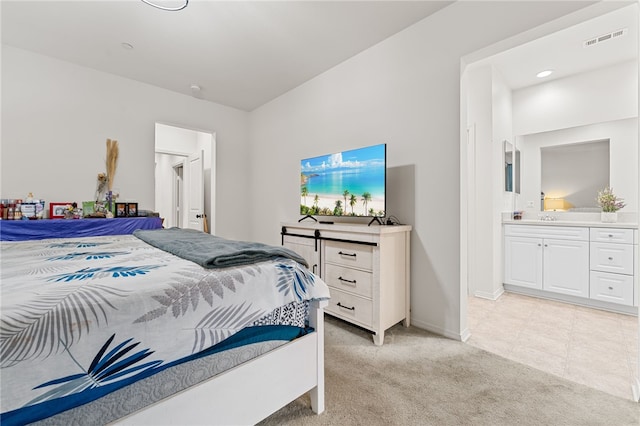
{"x": 604, "y": 37}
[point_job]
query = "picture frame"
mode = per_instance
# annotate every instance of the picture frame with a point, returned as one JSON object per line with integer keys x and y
{"x": 56, "y": 210}
{"x": 132, "y": 209}
{"x": 88, "y": 208}
{"x": 121, "y": 210}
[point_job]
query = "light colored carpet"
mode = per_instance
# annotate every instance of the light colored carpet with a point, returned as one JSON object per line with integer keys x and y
{"x": 418, "y": 378}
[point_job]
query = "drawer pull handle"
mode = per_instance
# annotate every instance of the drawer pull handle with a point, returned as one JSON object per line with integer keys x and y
{"x": 341, "y": 253}
{"x": 610, "y": 288}
{"x": 344, "y": 280}
{"x": 610, "y": 235}
{"x": 353, "y": 308}
{"x": 610, "y": 258}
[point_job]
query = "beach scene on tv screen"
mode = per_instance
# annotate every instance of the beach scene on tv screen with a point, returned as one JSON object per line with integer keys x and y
{"x": 348, "y": 183}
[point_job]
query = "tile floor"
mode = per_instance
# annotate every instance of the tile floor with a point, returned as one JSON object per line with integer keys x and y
{"x": 589, "y": 346}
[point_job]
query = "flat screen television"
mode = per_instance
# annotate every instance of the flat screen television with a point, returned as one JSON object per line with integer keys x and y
{"x": 347, "y": 183}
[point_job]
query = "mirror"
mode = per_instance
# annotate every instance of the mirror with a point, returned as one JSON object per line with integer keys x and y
{"x": 572, "y": 174}
{"x": 511, "y": 168}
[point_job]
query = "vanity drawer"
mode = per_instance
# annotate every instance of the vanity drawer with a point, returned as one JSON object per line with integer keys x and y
{"x": 608, "y": 257}
{"x": 615, "y": 288}
{"x": 349, "y": 279}
{"x": 612, "y": 235}
{"x": 351, "y": 308}
{"x": 350, "y": 255}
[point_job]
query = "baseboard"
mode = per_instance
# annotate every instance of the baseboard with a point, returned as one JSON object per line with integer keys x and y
{"x": 491, "y": 296}
{"x": 466, "y": 334}
{"x": 589, "y": 303}
{"x": 437, "y": 330}
{"x": 635, "y": 388}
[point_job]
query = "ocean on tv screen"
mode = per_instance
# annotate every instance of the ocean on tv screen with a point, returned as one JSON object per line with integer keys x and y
{"x": 350, "y": 183}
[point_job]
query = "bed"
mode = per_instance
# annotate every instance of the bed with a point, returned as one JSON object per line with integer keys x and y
{"x": 157, "y": 328}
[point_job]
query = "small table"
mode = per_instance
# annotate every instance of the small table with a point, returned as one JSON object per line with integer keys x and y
{"x": 21, "y": 230}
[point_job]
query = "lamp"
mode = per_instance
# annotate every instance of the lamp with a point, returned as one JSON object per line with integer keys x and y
{"x": 171, "y": 9}
{"x": 554, "y": 204}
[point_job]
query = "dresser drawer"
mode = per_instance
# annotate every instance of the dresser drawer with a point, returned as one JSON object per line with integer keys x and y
{"x": 349, "y": 279}
{"x": 612, "y": 235}
{"x": 350, "y": 255}
{"x": 351, "y": 308}
{"x": 609, "y": 257}
{"x": 615, "y": 288}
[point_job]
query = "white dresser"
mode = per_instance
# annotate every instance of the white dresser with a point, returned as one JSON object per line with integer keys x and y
{"x": 366, "y": 268}
{"x": 589, "y": 265}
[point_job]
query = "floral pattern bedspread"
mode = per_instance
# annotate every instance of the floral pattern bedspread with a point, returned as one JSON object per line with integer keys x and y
{"x": 83, "y": 313}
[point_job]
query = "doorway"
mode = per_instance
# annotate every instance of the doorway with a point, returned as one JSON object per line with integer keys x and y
{"x": 480, "y": 203}
{"x": 174, "y": 146}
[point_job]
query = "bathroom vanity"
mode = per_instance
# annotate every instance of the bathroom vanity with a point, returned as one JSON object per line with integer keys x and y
{"x": 587, "y": 263}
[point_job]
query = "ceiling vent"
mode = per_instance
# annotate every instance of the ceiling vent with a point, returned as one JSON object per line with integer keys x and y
{"x": 604, "y": 37}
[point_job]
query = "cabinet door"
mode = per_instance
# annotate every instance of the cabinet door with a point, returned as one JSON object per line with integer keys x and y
{"x": 305, "y": 247}
{"x": 523, "y": 262}
{"x": 566, "y": 267}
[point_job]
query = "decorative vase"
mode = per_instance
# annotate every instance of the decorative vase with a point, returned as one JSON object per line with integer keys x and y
{"x": 609, "y": 217}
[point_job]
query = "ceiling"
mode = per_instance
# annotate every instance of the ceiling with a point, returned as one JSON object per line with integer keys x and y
{"x": 564, "y": 51}
{"x": 245, "y": 53}
{"x": 240, "y": 53}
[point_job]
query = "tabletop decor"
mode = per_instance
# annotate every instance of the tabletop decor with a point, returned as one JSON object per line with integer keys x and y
{"x": 610, "y": 204}
{"x": 112, "y": 161}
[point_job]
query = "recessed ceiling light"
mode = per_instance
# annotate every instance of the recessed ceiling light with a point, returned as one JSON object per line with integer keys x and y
{"x": 127, "y": 46}
{"x": 545, "y": 73}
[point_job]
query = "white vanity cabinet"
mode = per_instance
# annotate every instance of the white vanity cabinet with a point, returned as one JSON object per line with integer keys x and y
{"x": 591, "y": 265}
{"x": 365, "y": 267}
{"x": 554, "y": 259}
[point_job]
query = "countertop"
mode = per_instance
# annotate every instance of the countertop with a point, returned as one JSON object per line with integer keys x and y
{"x": 591, "y": 224}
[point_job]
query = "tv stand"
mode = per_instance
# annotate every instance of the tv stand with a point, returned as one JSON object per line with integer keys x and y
{"x": 375, "y": 219}
{"x": 307, "y": 216}
{"x": 366, "y": 268}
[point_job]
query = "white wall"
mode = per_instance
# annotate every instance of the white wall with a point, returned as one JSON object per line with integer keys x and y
{"x": 56, "y": 117}
{"x": 606, "y": 94}
{"x": 405, "y": 91}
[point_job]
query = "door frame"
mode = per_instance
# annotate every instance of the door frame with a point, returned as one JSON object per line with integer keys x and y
{"x": 211, "y": 159}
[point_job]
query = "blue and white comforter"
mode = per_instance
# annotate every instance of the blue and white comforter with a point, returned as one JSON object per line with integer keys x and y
{"x": 81, "y": 314}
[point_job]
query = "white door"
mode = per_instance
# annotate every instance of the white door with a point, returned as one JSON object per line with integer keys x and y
{"x": 566, "y": 267}
{"x": 194, "y": 191}
{"x": 523, "y": 262}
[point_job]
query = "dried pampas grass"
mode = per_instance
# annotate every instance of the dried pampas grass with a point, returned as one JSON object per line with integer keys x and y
{"x": 112, "y": 161}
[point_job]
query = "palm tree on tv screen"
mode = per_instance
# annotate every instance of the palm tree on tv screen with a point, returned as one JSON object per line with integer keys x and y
{"x": 352, "y": 202}
{"x": 366, "y": 197}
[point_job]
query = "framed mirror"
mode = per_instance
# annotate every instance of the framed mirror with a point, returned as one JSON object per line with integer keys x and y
{"x": 574, "y": 173}
{"x": 511, "y": 168}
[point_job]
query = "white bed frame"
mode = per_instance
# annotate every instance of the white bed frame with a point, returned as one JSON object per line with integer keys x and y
{"x": 251, "y": 391}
